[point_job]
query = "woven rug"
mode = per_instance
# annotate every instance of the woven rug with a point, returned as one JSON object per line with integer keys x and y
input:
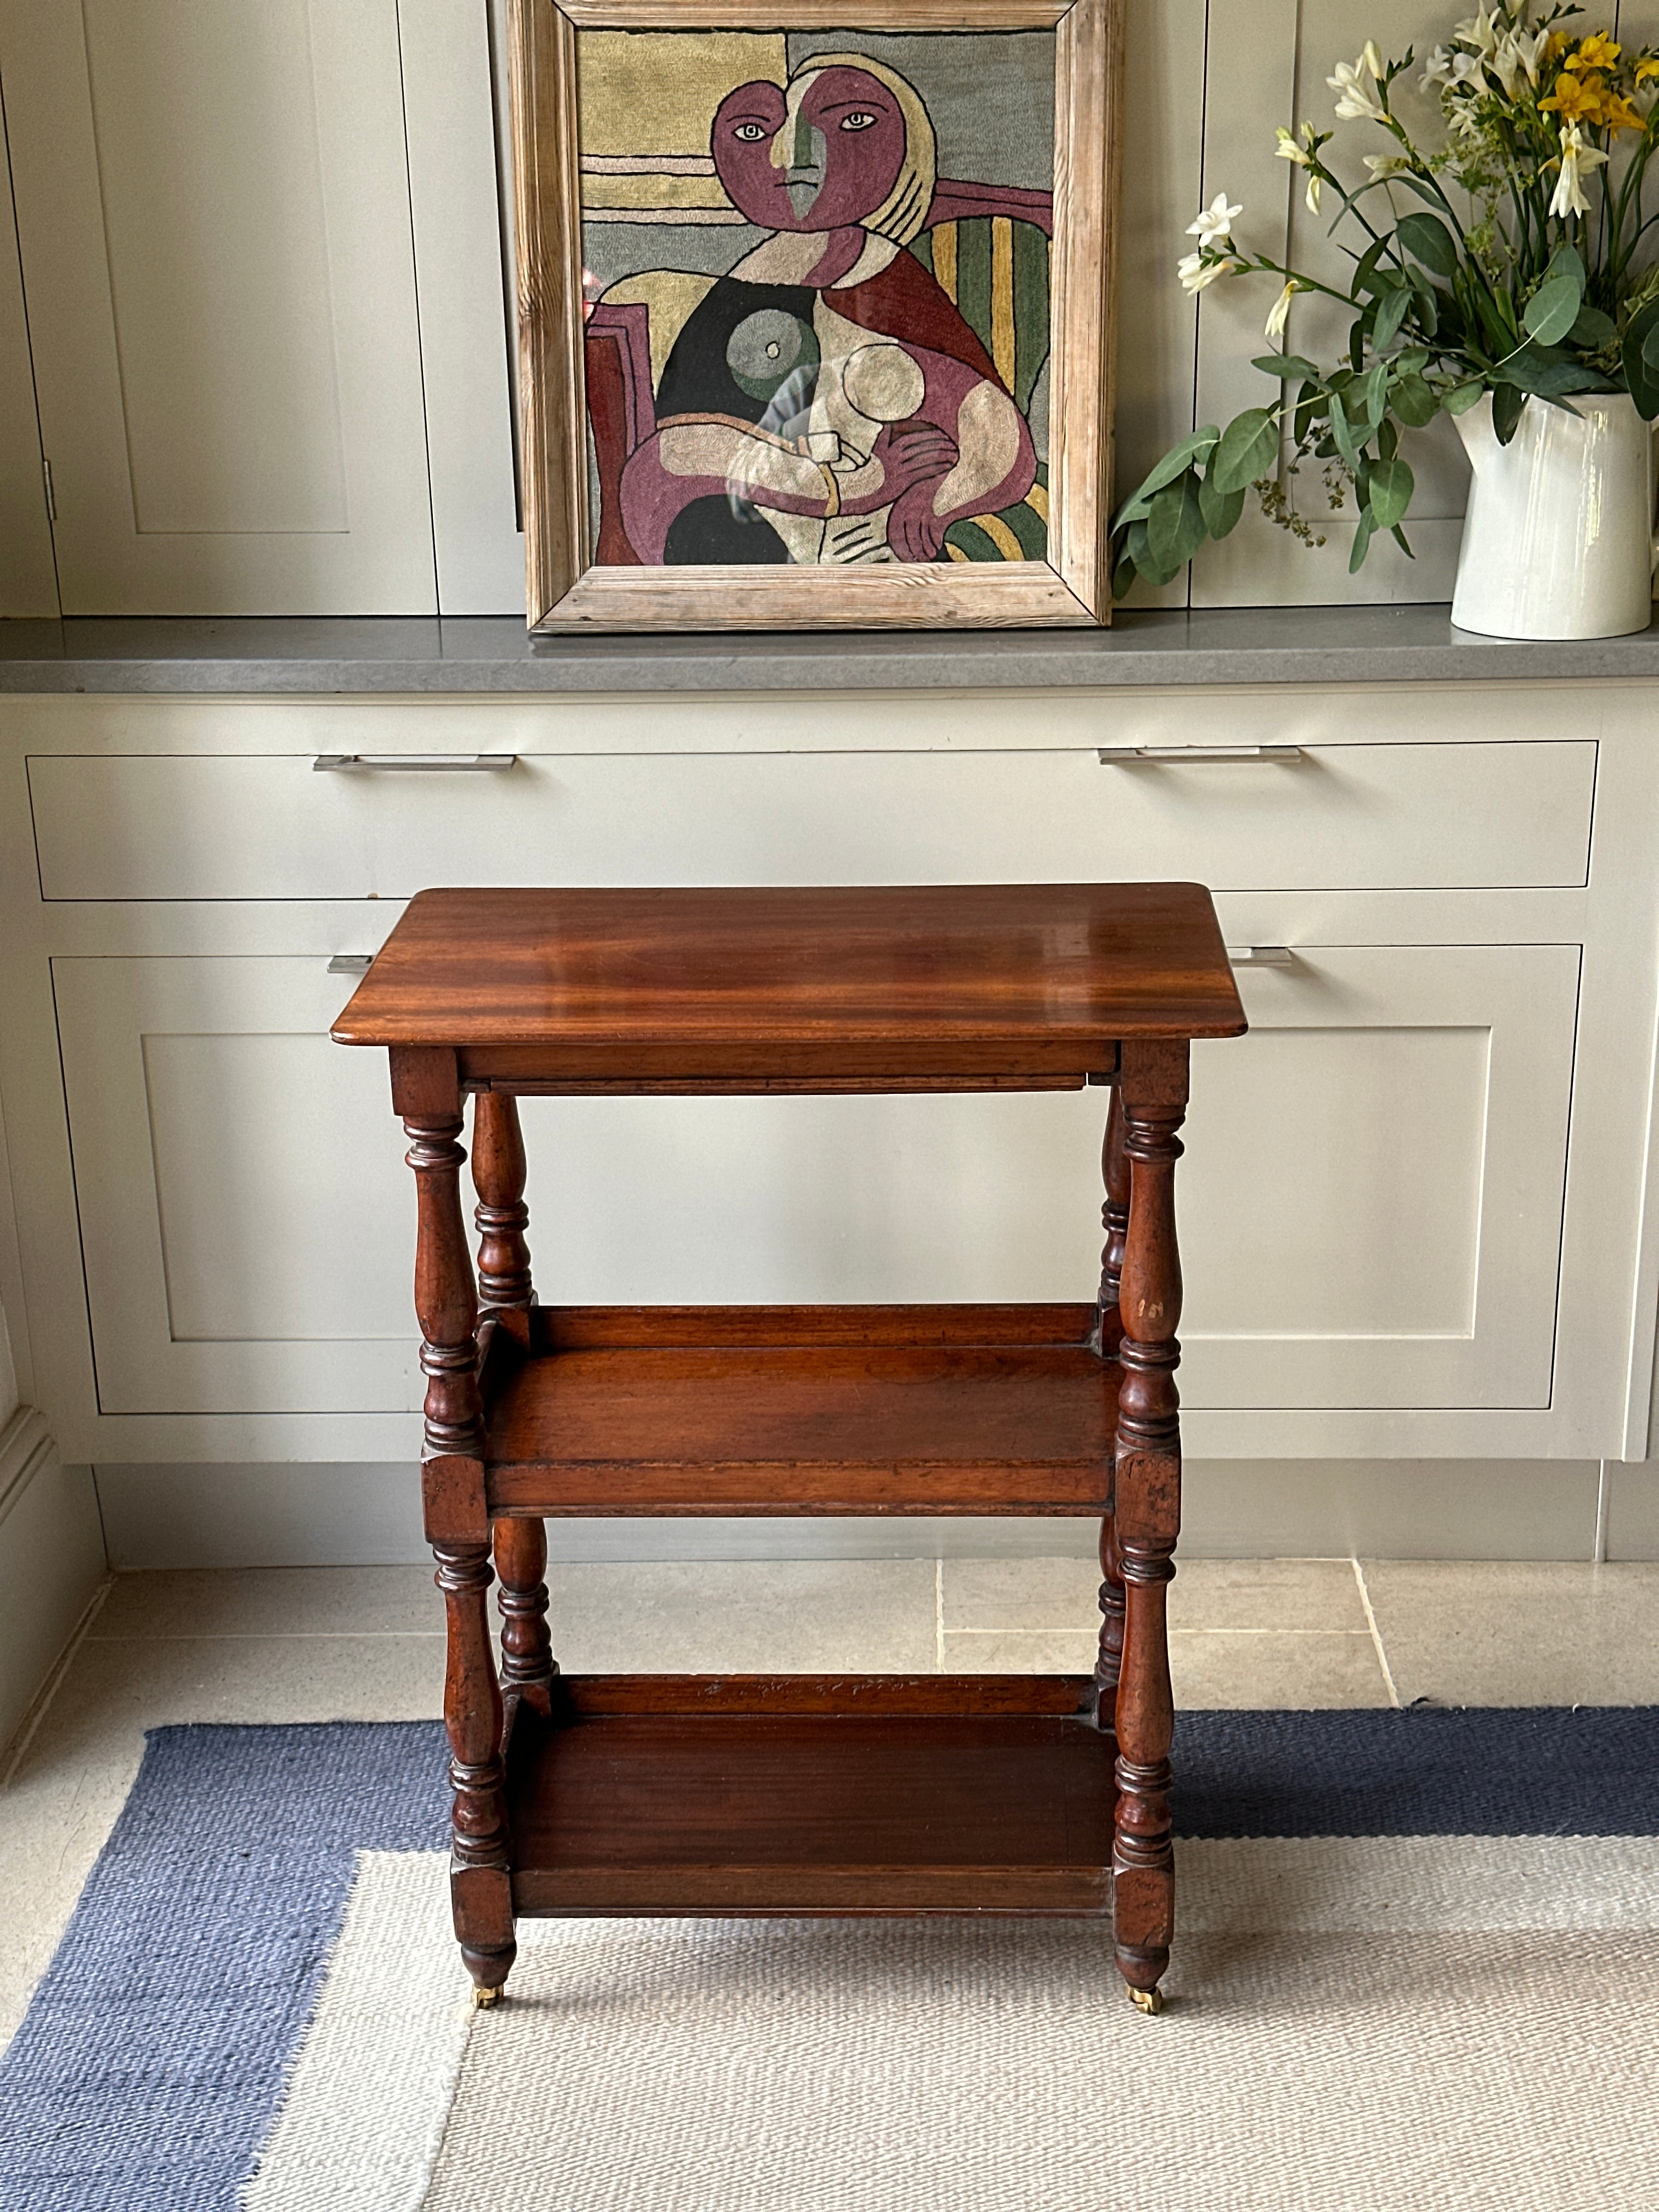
{"x": 1417, "y": 1966}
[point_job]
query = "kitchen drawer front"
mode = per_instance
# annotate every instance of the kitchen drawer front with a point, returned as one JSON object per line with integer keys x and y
{"x": 1500, "y": 816}
{"x": 1369, "y": 1206}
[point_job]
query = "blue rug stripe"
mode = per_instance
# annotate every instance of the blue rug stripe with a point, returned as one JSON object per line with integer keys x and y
{"x": 151, "y": 2063}
{"x": 1533, "y": 1771}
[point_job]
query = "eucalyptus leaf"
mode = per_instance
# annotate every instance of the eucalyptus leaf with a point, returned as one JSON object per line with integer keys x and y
{"x": 1462, "y": 398}
{"x": 1140, "y": 553}
{"x": 1362, "y": 543}
{"x": 1387, "y": 439}
{"x": 1592, "y": 328}
{"x": 1175, "y": 527}
{"x": 1390, "y": 313}
{"x": 1643, "y": 380}
{"x": 1553, "y": 310}
{"x": 1178, "y": 459}
{"x": 1392, "y": 484}
{"x": 1507, "y": 401}
{"x": 1414, "y": 402}
{"x": 1565, "y": 263}
{"x": 1402, "y": 542}
{"x": 1309, "y": 401}
{"x": 1249, "y": 445}
{"x": 1221, "y": 509}
{"x": 1551, "y": 375}
{"x": 1364, "y": 278}
{"x": 1285, "y": 366}
{"x": 1122, "y": 577}
{"x": 1427, "y": 240}
{"x": 1343, "y": 433}
{"x": 1367, "y": 399}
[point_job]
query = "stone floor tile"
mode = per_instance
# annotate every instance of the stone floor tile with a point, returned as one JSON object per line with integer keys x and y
{"x": 271, "y": 1601}
{"x": 784, "y": 1616}
{"x": 1500, "y": 1633}
{"x": 1242, "y": 1668}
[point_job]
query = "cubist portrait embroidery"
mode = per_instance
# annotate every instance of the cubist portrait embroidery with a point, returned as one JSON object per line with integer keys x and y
{"x": 817, "y": 295}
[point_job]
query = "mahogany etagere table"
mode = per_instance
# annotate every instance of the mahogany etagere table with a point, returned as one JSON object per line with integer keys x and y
{"x": 797, "y": 1794}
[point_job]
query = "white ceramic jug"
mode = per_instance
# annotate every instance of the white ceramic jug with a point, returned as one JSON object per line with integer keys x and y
{"x": 1558, "y": 538}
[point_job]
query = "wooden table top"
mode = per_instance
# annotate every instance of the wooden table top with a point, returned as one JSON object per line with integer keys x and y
{"x": 944, "y": 976}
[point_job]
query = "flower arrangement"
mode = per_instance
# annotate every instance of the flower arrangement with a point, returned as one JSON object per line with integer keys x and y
{"x": 1519, "y": 266}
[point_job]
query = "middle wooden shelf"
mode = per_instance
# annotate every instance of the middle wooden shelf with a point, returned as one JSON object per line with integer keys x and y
{"x": 918, "y": 1409}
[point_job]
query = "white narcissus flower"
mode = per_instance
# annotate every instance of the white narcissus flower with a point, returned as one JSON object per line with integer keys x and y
{"x": 1279, "y": 313}
{"x": 1480, "y": 32}
{"x": 1214, "y": 222}
{"x": 1195, "y": 272}
{"x": 1288, "y": 150}
{"x": 1373, "y": 58}
{"x": 1576, "y": 161}
{"x": 1386, "y": 165}
{"x": 1354, "y": 102}
{"x": 1316, "y": 186}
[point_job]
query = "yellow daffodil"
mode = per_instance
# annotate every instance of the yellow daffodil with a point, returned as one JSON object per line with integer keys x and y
{"x": 1598, "y": 51}
{"x": 1619, "y": 114}
{"x": 1648, "y": 66}
{"x": 1576, "y": 100}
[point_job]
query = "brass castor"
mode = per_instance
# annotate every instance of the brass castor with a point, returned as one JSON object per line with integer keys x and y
{"x": 1150, "y": 2001}
{"x": 482, "y": 1999}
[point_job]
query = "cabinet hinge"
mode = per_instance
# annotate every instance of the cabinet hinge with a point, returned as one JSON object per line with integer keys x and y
{"x": 51, "y": 496}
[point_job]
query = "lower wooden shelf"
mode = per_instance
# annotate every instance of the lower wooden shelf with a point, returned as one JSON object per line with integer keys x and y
{"x": 649, "y": 1794}
{"x": 818, "y": 1409}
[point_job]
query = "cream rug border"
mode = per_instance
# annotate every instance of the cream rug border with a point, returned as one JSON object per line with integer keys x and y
{"x": 370, "y": 2093}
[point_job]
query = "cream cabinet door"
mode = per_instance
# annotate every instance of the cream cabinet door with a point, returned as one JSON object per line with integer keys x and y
{"x": 1370, "y": 1208}
{"x": 213, "y": 207}
{"x": 247, "y": 1224}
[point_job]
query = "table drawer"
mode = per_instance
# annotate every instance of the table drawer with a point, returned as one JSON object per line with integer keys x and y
{"x": 1365, "y": 816}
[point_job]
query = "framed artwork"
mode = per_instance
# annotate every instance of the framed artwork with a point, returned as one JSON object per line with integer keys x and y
{"x": 815, "y": 311}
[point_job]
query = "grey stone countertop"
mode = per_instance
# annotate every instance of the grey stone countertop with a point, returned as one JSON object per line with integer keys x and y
{"x": 478, "y": 654}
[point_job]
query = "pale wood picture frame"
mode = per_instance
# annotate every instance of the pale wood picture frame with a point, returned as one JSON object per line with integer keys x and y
{"x": 569, "y": 591}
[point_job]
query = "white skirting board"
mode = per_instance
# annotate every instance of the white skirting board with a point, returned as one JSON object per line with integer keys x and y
{"x": 52, "y": 1560}
{"x": 313, "y": 1515}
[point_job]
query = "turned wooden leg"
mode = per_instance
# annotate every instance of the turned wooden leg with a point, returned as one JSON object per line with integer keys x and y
{"x": 528, "y": 1662}
{"x": 480, "y": 1887}
{"x": 459, "y": 1529}
{"x": 1147, "y": 1501}
{"x": 1115, "y": 1220}
{"x": 502, "y": 1218}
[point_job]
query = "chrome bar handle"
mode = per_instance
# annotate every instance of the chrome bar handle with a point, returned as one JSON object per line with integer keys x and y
{"x": 451, "y": 763}
{"x": 1125, "y": 756}
{"x": 1262, "y": 956}
{"x": 351, "y": 963}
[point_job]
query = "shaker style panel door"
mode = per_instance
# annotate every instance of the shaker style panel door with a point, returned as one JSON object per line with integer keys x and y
{"x": 1370, "y": 1208}
{"x": 1338, "y": 818}
{"x": 246, "y": 1218}
{"x": 213, "y": 206}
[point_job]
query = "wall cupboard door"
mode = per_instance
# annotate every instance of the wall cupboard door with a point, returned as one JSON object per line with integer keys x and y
{"x": 27, "y": 583}
{"x": 1371, "y": 1205}
{"x": 213, "y": 207}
